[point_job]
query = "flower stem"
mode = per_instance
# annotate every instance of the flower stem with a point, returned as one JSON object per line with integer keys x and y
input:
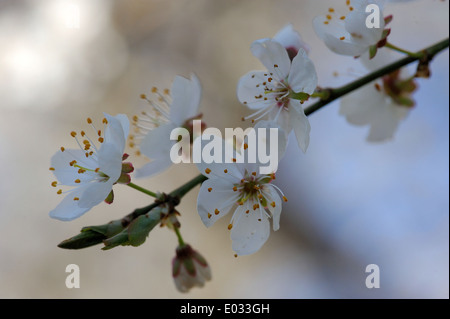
{"x": 336, "y": 93}
{"x": 183, "y": 189}
{"x": 396, "y": 48}
{"x": 180, "y": 238}
{"x": 321, "y": 94}
{"x": 143, "y": 190}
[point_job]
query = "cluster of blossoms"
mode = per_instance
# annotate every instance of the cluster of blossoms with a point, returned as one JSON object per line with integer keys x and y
{"x": 276, "y": 97}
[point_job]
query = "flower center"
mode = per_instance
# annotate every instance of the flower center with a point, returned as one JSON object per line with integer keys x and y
{"x": 251, "y": 188}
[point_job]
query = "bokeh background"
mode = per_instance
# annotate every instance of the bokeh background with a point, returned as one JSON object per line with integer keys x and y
{"x": 350, "y": 203}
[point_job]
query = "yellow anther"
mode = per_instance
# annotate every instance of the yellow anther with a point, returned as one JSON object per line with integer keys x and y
{"x": 245, "y": 146}
{"x": 230, "y": 226}
{"x": 342, "y": 18}
{"x": 59, "y": 191}
{"x": 135, "y": 118}
{"x": 348, "y": 2}
{"x": 62, "y": 149}
{"x": 209, "y": 215}
{"x": 154, "y": 89}
{"x": 272, "y": 204}
{"x": 97, "y": 169}
{"x": 73, "y": 163}
{"x": 325, "y": 22}
{"x": 234, "y": 160}
{"x": 260, "y": 196}
{"x": 255, "y": 206}
{"x": 76, "y": 198}
{"x": 275, "y": 65}
{"x": 81, "y": 171}
{"x": 105, "y": 121}
{"x": 210, "y": 189}
{"x": 216, "y": 211}
{"x": 54, "y": 183}
{"x": 143, "y": 96}
{"x": 331, "y": 10}
{"x": 82, "y": 133}
{"x": 350, "y": 8}
{"x": 52, "y": 168}
{"x": 329, "y": 17}
{"x": 101, "y": 139}
{"x": 225, "y": 171}
{"x": 77, "y": 181}
{"x": 166, "y": 91}
{"x": 247, "y": 211}
{"x": 207, "y": 171}
{"x": 73, "y": 133}
{"x": 235, "y": 188}
{"x": 254, "y": 173}
{"x": 99, "y": 132}
{"x": 342, "y": 38}
{"x": 285, "y": 199}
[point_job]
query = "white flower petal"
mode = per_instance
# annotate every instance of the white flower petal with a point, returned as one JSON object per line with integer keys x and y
{"x": 355, "y": 24}
{"x": 273, "y": 56}
{"x": 272, "y": 196}
{"x": 300, "y": 124}
{"x": 215, "y": 194}
{"x": 186, "y": 96}
{"x": 67, "y": 174}
{"x": 110, "y": 161}
{"x": 368, "y": 106}
{"x": 95, "y": 193}
{"x": 157, "y": 143}
{"x": 226, "y": 169}
{"x": 68, "y": 209}
{"x": 359, "y": 107}
{"x": 281, "y": 141}
{"x": 290, "y": 38}
{"x": 116, "y": 131}
{"x": 247, "y": 90}
{"x": 303, "y": 76}
{"x": 250, "y": 231}
{"x": 156, "y": 166}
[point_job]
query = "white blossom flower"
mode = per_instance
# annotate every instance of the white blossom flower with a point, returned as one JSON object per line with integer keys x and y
{"x": 279, "y": 91}
{"x": 346, "y": 32}
{"x": 153, "y": 128}
{"x": 189, "y": 269}
{"x": 381, "y": 104}
{"x": 91, "y": 170}
{"x": 291, "y": 40}
{"x": 239, "y": 187}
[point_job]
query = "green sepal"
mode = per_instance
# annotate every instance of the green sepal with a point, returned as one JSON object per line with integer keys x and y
{"x": 199, "y": 258}
{"x": 405, "y": 101}
{"x": 119, "y": 239}
{"x": 188, "y": 263}
{"x": 372, "y": 51}
{"x": 141, "y": 227}
{"x": 110, "y": 198}
{"x": 176, "y": 267}
{"x": 302, "y": 96}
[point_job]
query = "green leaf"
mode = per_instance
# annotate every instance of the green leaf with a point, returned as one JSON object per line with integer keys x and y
{"x": 141, "y": 226}
{"x": 86, "y": 238}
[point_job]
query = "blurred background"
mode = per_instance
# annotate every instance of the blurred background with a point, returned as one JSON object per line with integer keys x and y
{"x": 351, "y": 203}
